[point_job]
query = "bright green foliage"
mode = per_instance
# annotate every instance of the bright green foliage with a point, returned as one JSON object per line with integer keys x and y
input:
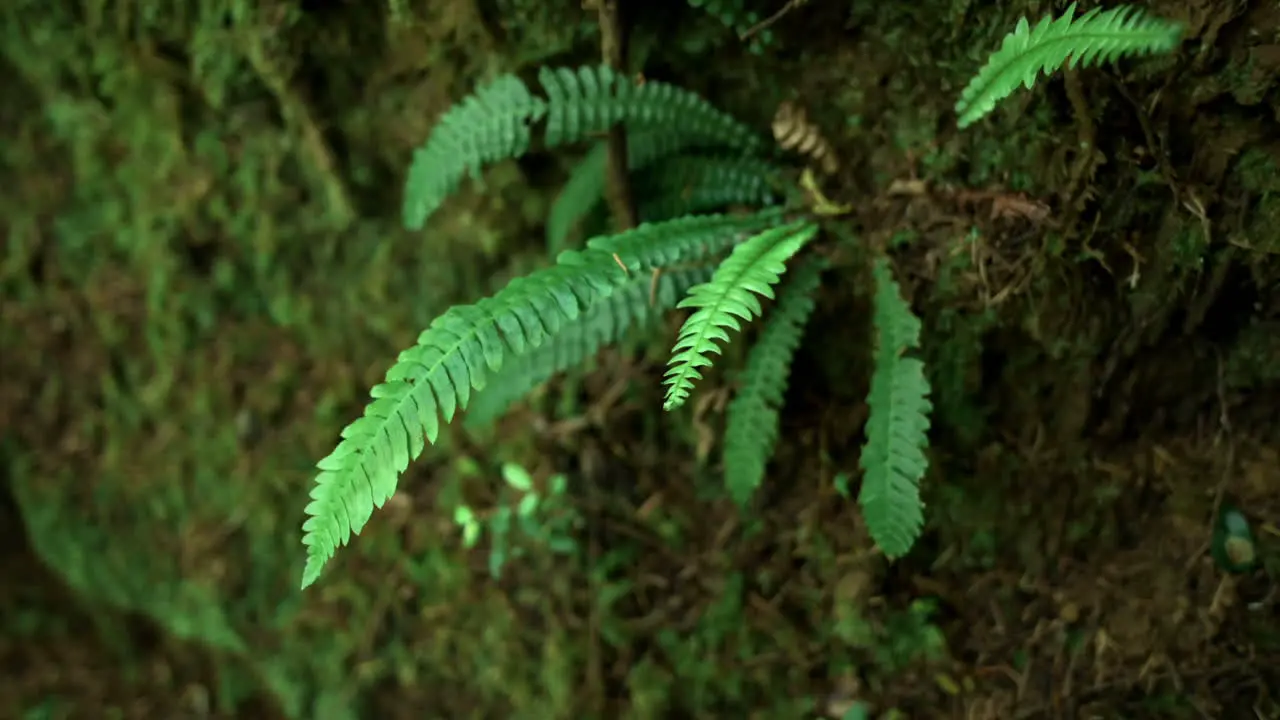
{"x": 542, "y": 518}
{"x": 607, "y": 322}
{"x": 893, "y": 459}
{"x": 496, "y": 123}
{"x": 456, "y": 354}
{"x": 505, "y": 345}
{"x": 753, "y": 269}
{"x": 751, "y": 430}
{"x": 1097, "y": 36}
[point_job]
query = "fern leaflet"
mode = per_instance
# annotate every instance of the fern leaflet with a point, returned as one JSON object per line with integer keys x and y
{"x": 691, "y": 184}
{"x": 1097, "y": 36}
{"x": 588, "y": 101}
{"x": 893, "y": 459}
{"x": 455, "y": 355}
{"x": 755, "y": 266}
{"x": 605, "y": 323}
{"x": 751, "y": 429}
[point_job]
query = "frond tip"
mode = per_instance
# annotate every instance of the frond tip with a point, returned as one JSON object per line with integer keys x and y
{"x": 1097, "y": 36}
{"x": 752, "y": 269}
{"x": 893, "y": 459}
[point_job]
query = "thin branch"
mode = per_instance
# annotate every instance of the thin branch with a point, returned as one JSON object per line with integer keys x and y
{"x": 769, "y": 21}
{"x": 613, "y": 51}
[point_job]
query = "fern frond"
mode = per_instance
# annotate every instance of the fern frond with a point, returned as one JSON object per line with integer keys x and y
{"x": 584, "y": 190}
{"x": 1097, "y": 36}
{"x": 685, "y": 185}
{"x": 492, "y": 124}
{"x": 753, "y": 268}
{"x": 455, "y": 355}
{"x": 751, "y": 428}
{"x": 606, "y": 323}
{"x": 893, "y": 459}
{"x": 496, "y": 123}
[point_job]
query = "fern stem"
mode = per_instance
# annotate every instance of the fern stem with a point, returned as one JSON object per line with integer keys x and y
{"x": 613, "y": 52}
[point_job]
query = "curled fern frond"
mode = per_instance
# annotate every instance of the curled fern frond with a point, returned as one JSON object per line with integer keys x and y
{"x": 751, "y": 428}
{"x": 606, "y": 323}
{"x": 752, "y": 269}
{"x": 457, "y": 353}
{"x": 1097, "y": 36}
{"x": 893, "y": 459}
{"x": 496, "y": 123}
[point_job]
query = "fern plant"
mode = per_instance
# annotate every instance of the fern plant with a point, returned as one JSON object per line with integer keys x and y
{"x": 688, "y": 158}
{"x": 1095, "y": 37}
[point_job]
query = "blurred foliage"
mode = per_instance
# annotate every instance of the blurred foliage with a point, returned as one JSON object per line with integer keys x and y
{"x": 198, "y": 227}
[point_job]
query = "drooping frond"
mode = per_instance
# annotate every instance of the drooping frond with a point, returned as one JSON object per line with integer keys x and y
{"x": 893, "y": 459}
{"x": 752, "y": 269}
{"x": 455, "y": 355}
{"x": 497, "y": 123}
{"x": 606, "y": 323}
{"x": 684, "y": 185}
{"x": 751, "y": 429}
{"x": 1097, "y": 36}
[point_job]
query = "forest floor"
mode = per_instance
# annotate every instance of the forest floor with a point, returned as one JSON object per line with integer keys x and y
{"x": 1095, "y": 268}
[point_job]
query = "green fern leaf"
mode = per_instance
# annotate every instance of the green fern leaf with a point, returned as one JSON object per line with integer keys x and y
{"x": 755, "y": 266}
{"x": 492, "y": 124}
{"x": 434, "y": 379}
{"x": 689, "y": 184}
{"x": 893, "y": 459}
{"x": 584, "y": 190}
{"x": 751, "y": 428}
{"x": 672, "y": 187}
{"x": 1097, "y": 36}
{"x": 606, "y": 323}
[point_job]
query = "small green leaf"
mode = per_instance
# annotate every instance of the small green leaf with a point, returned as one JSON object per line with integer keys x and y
{"x": 470, "y": 534}
{"x": 528, "y": 505}
{"x": 462, "y": 515}
{"x": 841, "y": 482}
{"x": 517, "y": 477}
{"x": 1233, "y": 547}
